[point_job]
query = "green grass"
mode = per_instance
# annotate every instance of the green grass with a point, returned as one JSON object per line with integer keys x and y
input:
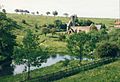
{"x": 38, "y": 72}
{"x": 54, "y": 46}
{"x": 106, "y": 73}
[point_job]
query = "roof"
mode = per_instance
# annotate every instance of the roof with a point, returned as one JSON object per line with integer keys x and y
{"x": 81, "y": 28}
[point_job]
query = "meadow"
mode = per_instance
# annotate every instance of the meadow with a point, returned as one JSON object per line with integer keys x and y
{"x": 106, "y": 73}
{"x": 53, "y": 44}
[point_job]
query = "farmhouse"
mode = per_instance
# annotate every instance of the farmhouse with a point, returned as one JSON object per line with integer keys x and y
{"x": 72, "y": 27}
{"x": 77, "y": 29}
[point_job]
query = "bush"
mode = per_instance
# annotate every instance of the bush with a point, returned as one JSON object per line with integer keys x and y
{"x": 85, "y": 22}
{"x": 44, "y": 25}
{"x": 107, "y": 49}
{"x": 45, "y": 30}
{"x": 50, "y": 26}
{"x": 66, "y": 62}
{"x": 24, "y": 22}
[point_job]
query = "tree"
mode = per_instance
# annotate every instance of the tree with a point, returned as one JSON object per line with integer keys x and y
{"x": 7, "y": 41}
{"x": 107, "y": 49}
{"x": 17, "y": 10}
{"x": 55, "y": 13}
{"x": 94, "y": 38}
{"x": 29, "y": 52}
{"x": 45, "y": 30}
{"x": 66, "y": 14}
{"x": 58, "y": 24}
{"x": 48, "y": 13}
{"x": 37, "y": 13}
{"x": 76, "y": 43}
{"x": 4, "y": 11}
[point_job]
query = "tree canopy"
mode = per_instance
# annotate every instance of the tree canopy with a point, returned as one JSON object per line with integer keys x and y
{"x": 29, "y": 52}
{"x": 76, "y": 43}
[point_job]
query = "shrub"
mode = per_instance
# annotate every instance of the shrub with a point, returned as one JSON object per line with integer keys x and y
{"x": 50, "y": 26}
{"x": 66, "y": 62}
{"x": 107, "y": 49}
{"x": 45, "y": 30}
{"x": 24, "y": 21}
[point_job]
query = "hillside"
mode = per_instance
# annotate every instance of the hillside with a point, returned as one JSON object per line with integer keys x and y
{"x": 41, "y": 20}
{"x": 53, "y": 44}
{"x": 106, "y": 73}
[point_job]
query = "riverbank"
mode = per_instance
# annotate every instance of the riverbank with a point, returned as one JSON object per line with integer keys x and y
{"x": 42, "y": 71}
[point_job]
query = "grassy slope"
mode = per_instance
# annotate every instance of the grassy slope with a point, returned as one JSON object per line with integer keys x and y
{"x": 38, "y": 72}
{"x": 107, "y": 73}
{"x": 53, "y": 45}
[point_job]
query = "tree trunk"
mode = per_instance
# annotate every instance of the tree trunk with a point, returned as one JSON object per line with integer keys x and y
{"x": 28, "y": 71}
{"x": 80, "y": 59}
{"x": 80, "y": 56}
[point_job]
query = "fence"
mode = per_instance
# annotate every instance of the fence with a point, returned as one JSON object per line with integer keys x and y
{"x": 71, "y": 71}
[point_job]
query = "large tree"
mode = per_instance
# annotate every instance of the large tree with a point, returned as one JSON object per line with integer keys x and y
{"x": 94, "y": 38}
{"x": 7, "y": 42}
{"x": 55, "y": 13}
{"x": 47, "y": 12}
{"x": 76, "y": 43}
{"x": 29, "y": 52}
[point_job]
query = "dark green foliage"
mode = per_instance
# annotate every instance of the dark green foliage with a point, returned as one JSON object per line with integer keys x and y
{"x": 48, "y": 13}
{"x": 7, "y": 43}
{"x": 45, "y": 25}
{"x": 4, "y": 11}
{"x": 50, "y": 26}
{"x": 62, "y": 37}
{"x": 107, "y": 49}
{"x": 7, "y": 39}
{"x": 55, "y": 13}
{"x": 85, "y": 22}
{"x": 24, "y": 21}
{"x": 30, "y": 52}
{"x": 58, "y": 24}
{"x": 76, "y": 44}
{"x": 36, "y": 26}
{"x": 66, "y": 62}
{"x": 45, "y": 30}
{"x": 63, "y": 26}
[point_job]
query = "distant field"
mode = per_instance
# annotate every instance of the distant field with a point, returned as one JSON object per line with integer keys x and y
{"x": 106, "y": 73}
{"x": 33, "y": 19}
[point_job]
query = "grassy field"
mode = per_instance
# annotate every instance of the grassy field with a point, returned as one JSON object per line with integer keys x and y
{"x": 107, "y": 73}
{"x": 54, "y": 46}
{"x": 38, "y": 72}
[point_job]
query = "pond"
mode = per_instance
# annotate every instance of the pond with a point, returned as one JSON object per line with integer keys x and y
{"x": 50, "y": 61}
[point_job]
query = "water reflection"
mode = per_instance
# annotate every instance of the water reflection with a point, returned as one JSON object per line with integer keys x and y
{"x": 50, "y": 61}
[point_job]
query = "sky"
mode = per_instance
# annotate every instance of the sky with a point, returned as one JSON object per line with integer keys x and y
{"x": 83, "y": 8}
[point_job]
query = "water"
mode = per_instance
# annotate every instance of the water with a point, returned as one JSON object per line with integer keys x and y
{"x": 50, "y": 61}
